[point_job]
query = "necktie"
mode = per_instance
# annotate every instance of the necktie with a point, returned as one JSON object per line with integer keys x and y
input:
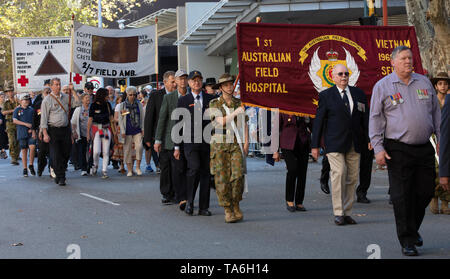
{"x": 346, "y": 101}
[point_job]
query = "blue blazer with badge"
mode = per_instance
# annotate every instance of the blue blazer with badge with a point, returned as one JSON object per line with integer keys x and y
{"x": 444, "y": 142}
{"x": 340, "y": 128}
{"x": 187, "y": 102}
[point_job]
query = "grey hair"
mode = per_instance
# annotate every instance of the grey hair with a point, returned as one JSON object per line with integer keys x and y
{"x": 168, "y": 74}
{"x": 109, "y": 86}
{"x": 84, "y": 95}
{"x": 131, "y": 88}
{"x": 53, "y": 79}
{"x": 397, "y": 50}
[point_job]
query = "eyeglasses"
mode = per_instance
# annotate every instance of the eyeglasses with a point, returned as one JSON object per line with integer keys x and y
{"x": 341, "y": 74}
{"x": 132, "y": 95}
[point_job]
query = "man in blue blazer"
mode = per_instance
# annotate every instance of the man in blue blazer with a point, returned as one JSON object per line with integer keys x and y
{"x": 342, "y": 117}
{"x": 196, "y": 149}
{"x": 444, "y": 152}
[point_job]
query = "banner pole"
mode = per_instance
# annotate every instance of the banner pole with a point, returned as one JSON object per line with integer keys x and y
{"x": 156, "y": 54}
{"x": 71, "y": 60}
{"x": 16, "y": 86}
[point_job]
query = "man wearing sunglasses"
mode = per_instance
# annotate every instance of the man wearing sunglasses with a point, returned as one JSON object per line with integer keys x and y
{"x": 342, "y": 117}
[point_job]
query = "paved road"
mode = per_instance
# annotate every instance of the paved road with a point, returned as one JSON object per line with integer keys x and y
{"x": 132, "y": 222}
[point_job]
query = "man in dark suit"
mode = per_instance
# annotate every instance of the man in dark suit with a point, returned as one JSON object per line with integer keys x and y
{"x": 164, "y": 144}
{"x": 444, "y": 152}
{"x": 342, "y": 116}
{"x": 196, "y": 149}
{"x": 151, "y": 121}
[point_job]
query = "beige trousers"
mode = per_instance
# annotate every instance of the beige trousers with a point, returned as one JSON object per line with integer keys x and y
{"x": 127, "y": 148}
{"x": 344, "y": 176}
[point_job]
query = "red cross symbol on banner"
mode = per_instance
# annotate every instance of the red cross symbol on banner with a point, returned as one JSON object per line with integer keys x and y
{"x": 23, "y": 81}
{"x": 77, "y": 78}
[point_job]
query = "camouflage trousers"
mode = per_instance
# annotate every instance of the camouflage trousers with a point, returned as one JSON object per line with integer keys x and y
{"x": 14, "y": 149}
{"x": 228, "y": 169}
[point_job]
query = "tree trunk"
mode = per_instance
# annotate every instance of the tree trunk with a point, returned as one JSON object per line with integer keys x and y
{"x": 429, "y": 17}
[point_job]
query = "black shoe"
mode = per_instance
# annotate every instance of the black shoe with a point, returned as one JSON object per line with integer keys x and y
{"x": 40, "y": 172}
{"x": 339, "y": 220}
{"x": 290, "y": 208}
{"x": 363, "y": 199}
{"x": 349, "y": 220}
{"x": 204, "y": 212}
{"x": 15, "y": 163}
{"x": 419, "y": 241}
{"x": 182, "y": 206}
{"x": 325, "y": 188}
{"x": 390, "y": 201}
{"x": 167, "y": 201}
{"x": 62, "y": 182}
{"x": 31, "y": 168}
{"x": 25, "y": 173}
{"x": 410, "y": 251}
{"x": 298, "y": 208}
{"x": 56, "y": 180}
{"x": 189, "y": 209}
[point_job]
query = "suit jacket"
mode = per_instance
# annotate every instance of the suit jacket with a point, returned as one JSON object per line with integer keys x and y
{"x": 293, "y": 128}
{"x": 165, "y": 124}
{"x": 187, "y": 101}
{"x": 340, "y": 128}
{"x": 444, "y": 148}
{"x": 152, "y": 114}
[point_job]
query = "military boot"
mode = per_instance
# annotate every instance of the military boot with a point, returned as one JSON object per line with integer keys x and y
{"x": 444, "y": 208}
{"x": 434, "y": 206}
{"x": 237, "y": 211}
{"x": 229, "y": 215}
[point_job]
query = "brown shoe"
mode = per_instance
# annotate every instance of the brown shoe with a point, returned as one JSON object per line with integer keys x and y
{"x": 434, "y": 206}
{"x": 237, "y": 211}
{"x": 229, "y": 215}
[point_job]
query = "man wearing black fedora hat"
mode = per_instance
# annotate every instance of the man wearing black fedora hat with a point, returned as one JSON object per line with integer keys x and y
{"x": 209, "y": 84}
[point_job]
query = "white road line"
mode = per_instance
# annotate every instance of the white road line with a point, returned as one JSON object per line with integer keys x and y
{"x": 99, "y": 199}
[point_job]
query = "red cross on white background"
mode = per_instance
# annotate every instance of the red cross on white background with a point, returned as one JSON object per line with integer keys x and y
{"x": 23, "y": 81}
{"x": 77, "y": 78}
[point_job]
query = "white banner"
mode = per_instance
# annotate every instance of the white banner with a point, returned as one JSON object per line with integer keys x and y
{"x": 113, "y": 53}
{"x": 38, "y": 59}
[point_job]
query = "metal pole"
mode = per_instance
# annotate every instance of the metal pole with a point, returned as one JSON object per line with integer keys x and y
{"x": 385, "y": 13}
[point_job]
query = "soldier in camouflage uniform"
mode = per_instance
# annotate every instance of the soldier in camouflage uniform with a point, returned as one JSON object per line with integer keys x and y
{"x": 227, "y": 162}
{"x": 8, "y": 109}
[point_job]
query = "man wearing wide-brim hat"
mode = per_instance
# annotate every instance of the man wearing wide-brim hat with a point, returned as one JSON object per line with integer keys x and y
{"x": 440, "y": 83}
{"x": 8, "y": 110}
{"x": 229, "y": 148}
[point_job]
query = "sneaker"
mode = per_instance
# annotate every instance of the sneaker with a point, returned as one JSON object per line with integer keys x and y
{"x": 52, "y": 173}
{"x": 31, "y": 168}
{"x": 139, "y": 172}
{"x": 149, "y": 168}
{"x": 130, "y": 173}
{"x": 104, "y": 174}
{"x": 158, "y": 170}
{"x": 84, "y": 173}
{"x": 94, "y": 171}
{"x": 25, "y": 173}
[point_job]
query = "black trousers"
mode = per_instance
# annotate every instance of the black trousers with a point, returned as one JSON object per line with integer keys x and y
{"x": 365, "y": 172}
{"x": 165, "y": 178}
{"x": 179, "y": 176}
{"x": 60, "y": 148}
{"x": 297, "y": 166}
{"x": 197, "y": 158}
{"x": 411, "y": 172}
{"x": 325, "y": 172}
{"x": 43, "y": 153}
{"x": 82, "y": 155}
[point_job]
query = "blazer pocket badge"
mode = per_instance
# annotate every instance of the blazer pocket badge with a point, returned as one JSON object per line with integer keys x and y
{"x": 361, "y": 107}
{"x": 191, "y": 105}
